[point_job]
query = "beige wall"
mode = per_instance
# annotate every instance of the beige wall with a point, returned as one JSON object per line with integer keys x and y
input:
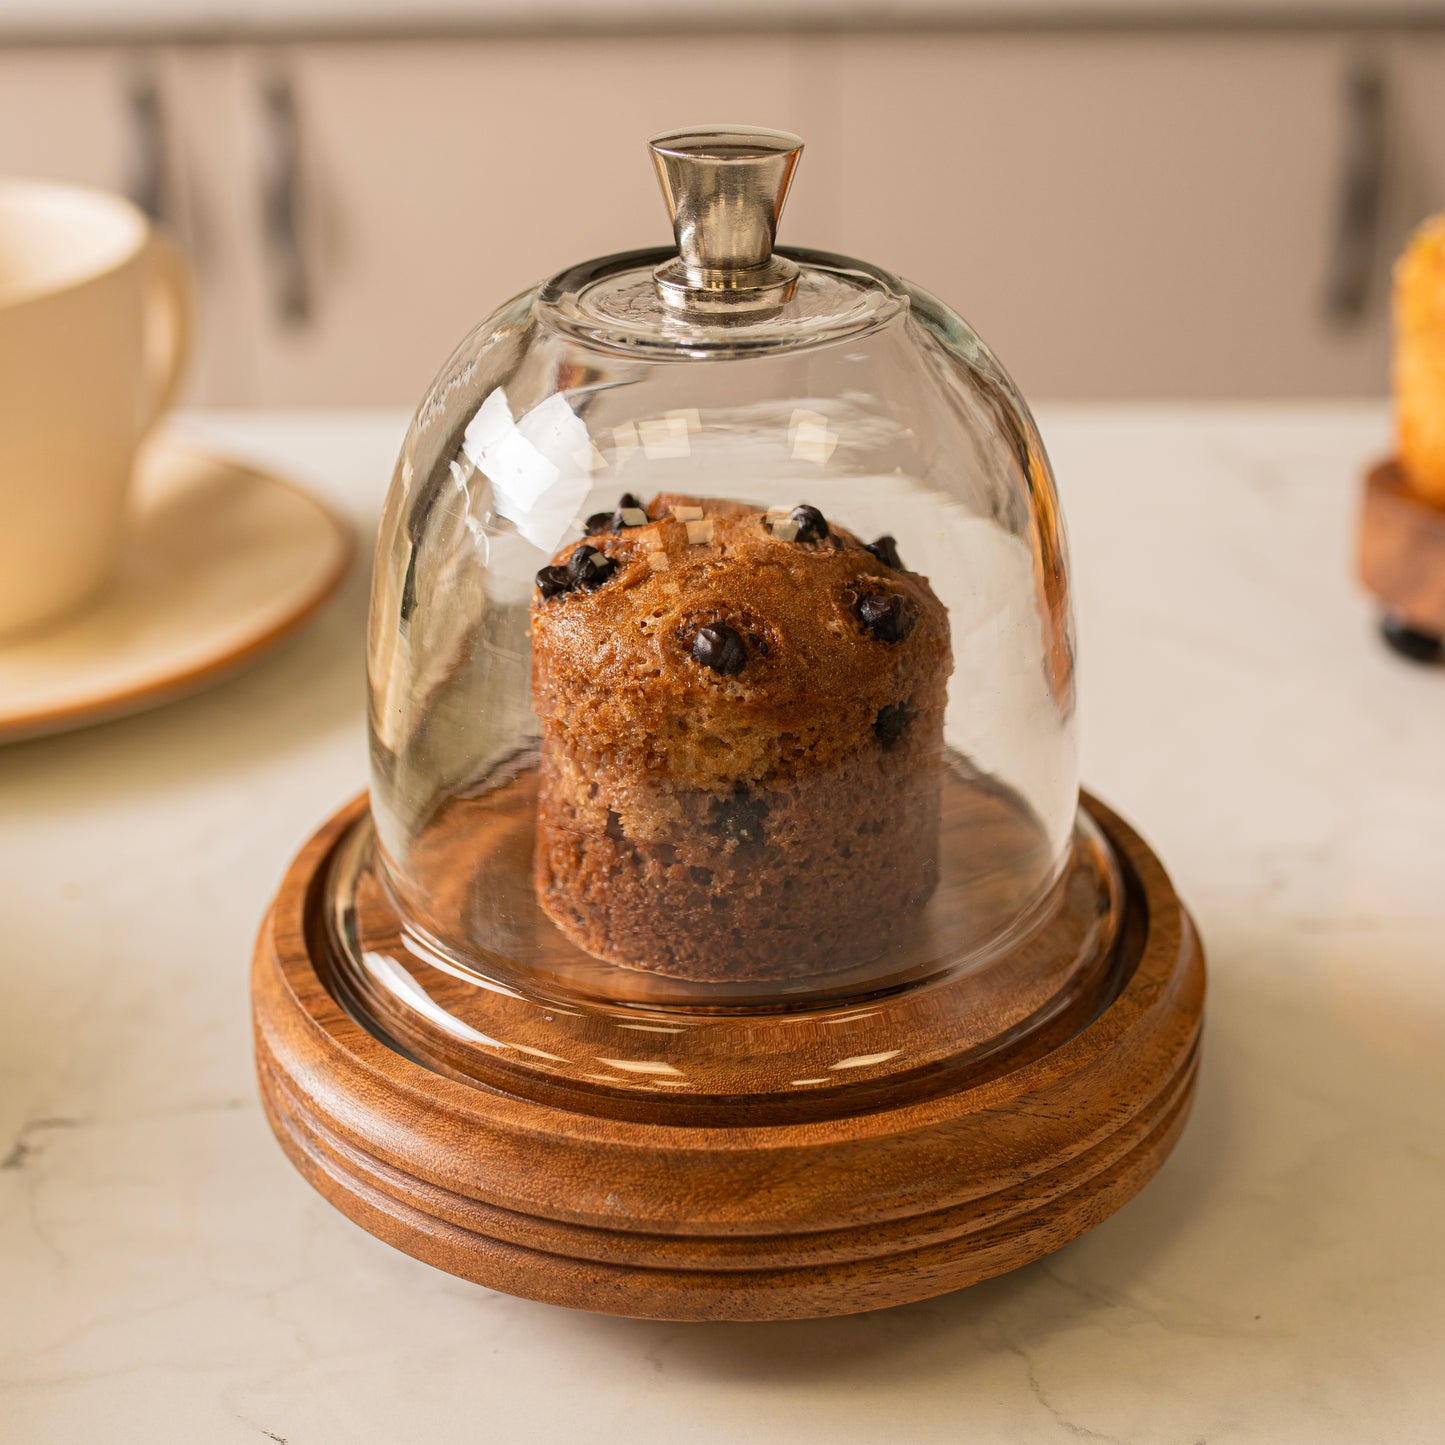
{"x": 1120, "y": 213}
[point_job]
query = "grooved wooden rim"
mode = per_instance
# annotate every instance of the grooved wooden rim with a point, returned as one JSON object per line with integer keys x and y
{"x": 716, "y": 1222}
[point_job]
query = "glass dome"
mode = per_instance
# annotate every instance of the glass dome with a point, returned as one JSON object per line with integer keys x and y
{"x": 721, "y": 677}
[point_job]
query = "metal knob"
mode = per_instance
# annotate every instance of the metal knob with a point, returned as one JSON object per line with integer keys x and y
{"x": 725, "y": 187}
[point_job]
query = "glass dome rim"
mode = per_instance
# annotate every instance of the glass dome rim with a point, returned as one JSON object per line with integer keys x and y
{"x": 1085, "y": 906}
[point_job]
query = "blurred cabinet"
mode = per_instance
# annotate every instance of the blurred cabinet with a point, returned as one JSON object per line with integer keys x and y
{"x": 1121, "y": 213}
{"x": 1421, "y": 126}
{"x": 437, "y": 180}
{"x": 118, "y": 118}
{"x": 1118, "y": 213}
{"x": 61, "y": 114}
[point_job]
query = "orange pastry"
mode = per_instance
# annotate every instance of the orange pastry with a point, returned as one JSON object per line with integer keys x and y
{"x": 1420, "y": 360}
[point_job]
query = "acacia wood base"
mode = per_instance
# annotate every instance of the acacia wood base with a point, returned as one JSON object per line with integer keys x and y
{"x": 745, "y": 1221}
{"x": 1402, "y": 551}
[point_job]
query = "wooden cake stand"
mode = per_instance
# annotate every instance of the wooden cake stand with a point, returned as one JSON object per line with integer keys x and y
{"x": 1402, "y": 561}
{"x": 928, "y": 1181}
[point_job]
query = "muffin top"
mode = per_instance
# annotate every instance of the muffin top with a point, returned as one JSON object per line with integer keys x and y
{"x": 715, "y": 643}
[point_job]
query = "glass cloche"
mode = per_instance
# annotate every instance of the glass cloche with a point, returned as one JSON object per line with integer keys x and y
{"x": 721, "y": 678}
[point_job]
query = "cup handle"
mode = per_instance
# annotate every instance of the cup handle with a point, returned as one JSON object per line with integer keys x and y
{"x": 170, "y": 313}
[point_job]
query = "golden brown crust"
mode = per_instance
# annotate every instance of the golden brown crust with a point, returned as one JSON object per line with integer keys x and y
{"x": 777, "y": 819}
{"x": 1419, "y": 369}
{"x": 615, "y": 665}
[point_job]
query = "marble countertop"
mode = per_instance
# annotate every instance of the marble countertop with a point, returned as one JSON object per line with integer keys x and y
{"x": 167, "y": 1277}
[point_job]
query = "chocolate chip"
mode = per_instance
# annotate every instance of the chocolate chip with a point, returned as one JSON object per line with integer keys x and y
{"x": 740, "y": 817}
{"x": 588, "y": 568}
{"x": 615, "y": 521}
{"x": 552, "y": 580}
{"x": 717, "y": 646}
{"x": 886, "y": 617}
{"x": 701, "y": 876}
{"x": 812, "y": 526}
{"x": 885, "y": 549}
{"x": 891, "y": 723}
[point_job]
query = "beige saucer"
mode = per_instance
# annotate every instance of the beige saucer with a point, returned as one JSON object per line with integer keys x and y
{"x": 222, "y": 561}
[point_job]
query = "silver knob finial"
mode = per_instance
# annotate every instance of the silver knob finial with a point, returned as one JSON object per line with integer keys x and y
{"x": 725, "y": 186}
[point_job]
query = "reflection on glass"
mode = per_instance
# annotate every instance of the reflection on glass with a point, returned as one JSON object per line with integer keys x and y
{"x": 721, "y": 671}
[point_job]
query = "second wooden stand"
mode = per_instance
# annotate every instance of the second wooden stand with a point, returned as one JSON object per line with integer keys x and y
{"x": 1402, "y": 561}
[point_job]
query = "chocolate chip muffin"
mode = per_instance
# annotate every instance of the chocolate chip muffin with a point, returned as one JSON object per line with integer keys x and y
{"x": 742, "y": 733}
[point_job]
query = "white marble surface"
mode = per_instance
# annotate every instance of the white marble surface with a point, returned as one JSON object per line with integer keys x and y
{"x": 166, "y": 1277}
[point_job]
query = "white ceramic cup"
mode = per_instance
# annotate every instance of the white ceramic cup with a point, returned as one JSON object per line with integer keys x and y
{"x": 95, "y": 321}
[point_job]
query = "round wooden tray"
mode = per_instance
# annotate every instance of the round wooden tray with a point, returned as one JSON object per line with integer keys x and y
{"x": 1402, "y": 561}
{"x": 720, "y": 1220}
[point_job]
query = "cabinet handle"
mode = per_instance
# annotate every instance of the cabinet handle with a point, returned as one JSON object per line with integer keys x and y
{"x": 281, "y": 201}
{"x": 146, "y": 182}
{"x": 1361, "y": 196}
